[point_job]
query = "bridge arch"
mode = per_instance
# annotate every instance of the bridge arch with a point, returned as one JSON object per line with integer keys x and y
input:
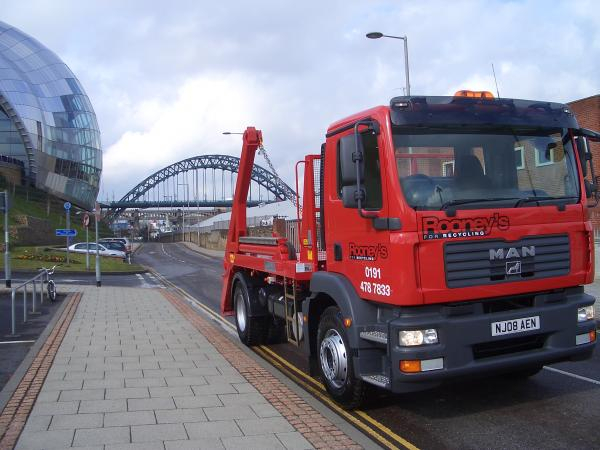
{"x": 271, "y": 182}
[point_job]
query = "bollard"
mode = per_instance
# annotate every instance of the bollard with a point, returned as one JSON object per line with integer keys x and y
{"x": 33, "y": 297}
{"x": 41, "y": 289}
{"x": 24, "y": 303}
{"x": 13, "y": 312}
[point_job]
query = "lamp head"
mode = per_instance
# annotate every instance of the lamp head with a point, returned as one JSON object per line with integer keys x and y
{"x": 374, "y": 35}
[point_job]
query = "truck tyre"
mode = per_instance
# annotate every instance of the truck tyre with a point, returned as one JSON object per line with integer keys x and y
{"x": 335, "y": 361}
{"x": 251, "y": 330}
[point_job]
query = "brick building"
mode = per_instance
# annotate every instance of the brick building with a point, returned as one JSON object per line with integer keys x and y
{"x": 587, "y": 111}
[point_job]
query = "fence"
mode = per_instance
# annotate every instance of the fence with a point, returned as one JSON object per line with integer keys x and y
{"x": 292, "y": 233}
{"x": 42, "y": 277}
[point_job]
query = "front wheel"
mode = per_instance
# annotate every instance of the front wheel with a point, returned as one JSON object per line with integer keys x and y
{"x": 335, "y": 361}
{"x": 51, "y": 291}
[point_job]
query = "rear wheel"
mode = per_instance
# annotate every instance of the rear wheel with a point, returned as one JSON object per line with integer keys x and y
{"x": 251, "y": 330}
{"x": 51, "y": 290}
{"x": 335, "y": 361}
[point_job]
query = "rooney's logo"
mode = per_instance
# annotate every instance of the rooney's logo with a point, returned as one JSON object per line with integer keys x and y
{"x": 368, "y": 252}
{"x": 437, "y": 228}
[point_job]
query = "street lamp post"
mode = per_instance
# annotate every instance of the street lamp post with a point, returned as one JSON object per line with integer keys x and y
{"x": 187, "y": 186}
{"x": 97, "y": 213}
{"x": 377, "y": 35}
{"x": 172, "y": 198}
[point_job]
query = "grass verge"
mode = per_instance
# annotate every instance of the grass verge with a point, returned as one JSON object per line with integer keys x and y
{"x": 32, "y": 258}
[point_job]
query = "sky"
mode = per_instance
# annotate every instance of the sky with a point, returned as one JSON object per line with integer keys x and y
{"x": 166, "y": 78}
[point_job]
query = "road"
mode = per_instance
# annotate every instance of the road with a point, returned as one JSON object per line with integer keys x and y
{"x": 558, "y": 408}
{"x": 13, "y": 349}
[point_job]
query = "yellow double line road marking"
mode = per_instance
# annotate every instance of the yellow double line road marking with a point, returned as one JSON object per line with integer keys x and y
{"x": 358, "y": 418}
{"x": 319, "y": 392}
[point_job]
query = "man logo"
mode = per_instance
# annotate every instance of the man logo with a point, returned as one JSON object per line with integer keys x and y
{"x": 512, "y": 252}
{"x": 513, "y": 268}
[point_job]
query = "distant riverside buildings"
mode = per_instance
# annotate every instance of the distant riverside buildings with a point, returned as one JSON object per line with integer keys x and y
{"x": 49, "y": 136}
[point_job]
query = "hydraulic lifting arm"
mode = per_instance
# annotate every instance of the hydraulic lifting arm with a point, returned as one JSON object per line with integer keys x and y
{"x": 237, "y": 226}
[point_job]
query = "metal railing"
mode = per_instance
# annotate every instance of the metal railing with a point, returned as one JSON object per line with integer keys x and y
{"x": 42, "y": 277}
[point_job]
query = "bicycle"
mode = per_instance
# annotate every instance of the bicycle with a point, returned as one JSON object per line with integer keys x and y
{"x": 51, "y": 287}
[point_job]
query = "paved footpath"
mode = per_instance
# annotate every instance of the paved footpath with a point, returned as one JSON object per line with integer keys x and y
{"x": 139, "y": 369}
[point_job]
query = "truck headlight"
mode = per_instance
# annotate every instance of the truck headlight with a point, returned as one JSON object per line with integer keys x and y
{"x": 585, "y": 313}
{"x": 409, "y": 338}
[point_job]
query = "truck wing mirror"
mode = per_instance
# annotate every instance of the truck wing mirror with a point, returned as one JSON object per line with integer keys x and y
{"x": 352, "y": 167}
{"x": 591, "y": 191}
{"x": 593, "y": 136}
{"x": 582, "y": 150}
{"x": 350, "y": 196}
{"x": 349, "y": 151}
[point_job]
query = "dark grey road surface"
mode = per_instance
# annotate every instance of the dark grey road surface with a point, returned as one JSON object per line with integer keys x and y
{"x": 13, "y": 349}
{"x": 550, "y": 410}
{"x": 197, "y": 274}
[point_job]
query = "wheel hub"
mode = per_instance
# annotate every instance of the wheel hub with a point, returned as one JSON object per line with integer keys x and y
{"x": 334, "y": 359}
{"x": 240, "y": 311}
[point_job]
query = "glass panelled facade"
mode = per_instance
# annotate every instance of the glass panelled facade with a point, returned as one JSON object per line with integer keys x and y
{"x": 47, "y": 121}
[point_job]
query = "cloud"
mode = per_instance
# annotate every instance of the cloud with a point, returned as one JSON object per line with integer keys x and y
{"x": 166, "y": 79}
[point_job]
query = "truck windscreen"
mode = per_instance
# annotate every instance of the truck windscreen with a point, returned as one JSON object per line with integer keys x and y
{"x": 495, "y": 167}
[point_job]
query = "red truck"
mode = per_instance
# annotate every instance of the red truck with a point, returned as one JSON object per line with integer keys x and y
{"x": 439, "y": 238}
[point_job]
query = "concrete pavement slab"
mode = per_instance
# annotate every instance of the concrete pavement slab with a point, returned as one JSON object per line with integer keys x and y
{"x": 129, "y": 418}
{"x": 158, "y": 432}
{"x": 221, "y": 428}
{"x": 101, "y": 436}
{"x": 73, "y": 421}
{"x": 180, "y": 415}
{"x": 45, "y": 439}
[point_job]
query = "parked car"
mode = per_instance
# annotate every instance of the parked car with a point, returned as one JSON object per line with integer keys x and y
{"x": 124, "y": 240}
{"x": 114, "y": 245}
{"x": 83, "y": 247}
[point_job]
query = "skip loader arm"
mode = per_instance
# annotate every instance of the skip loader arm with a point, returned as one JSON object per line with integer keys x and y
{"x": 252, "y": 139}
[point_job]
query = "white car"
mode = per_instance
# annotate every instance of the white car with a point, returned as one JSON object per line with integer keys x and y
{"x": 82, "y": 247}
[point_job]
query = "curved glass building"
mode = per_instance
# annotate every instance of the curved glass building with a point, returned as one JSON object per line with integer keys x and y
{"x": 47, "y": 123}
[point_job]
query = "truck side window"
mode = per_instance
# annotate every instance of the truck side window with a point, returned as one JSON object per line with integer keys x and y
{"x": 372, "y": 172}
{"x": 372, "y": 180}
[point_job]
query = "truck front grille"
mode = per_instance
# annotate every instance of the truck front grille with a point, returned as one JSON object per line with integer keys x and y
{"x": 506, "y": 346}
{"x": 474, "y": 263}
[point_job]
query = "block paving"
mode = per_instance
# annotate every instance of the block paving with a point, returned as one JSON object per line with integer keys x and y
{"x": 140, "y": 369}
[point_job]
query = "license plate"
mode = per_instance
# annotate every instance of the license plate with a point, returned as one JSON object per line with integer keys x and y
{"x": 515, "y": 325}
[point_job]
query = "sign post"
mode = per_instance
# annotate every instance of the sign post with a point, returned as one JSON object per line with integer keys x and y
{"x": 4, "y": 209}
{"x": 67, "y": 206}
{"x": 86, "y": 224}
{"x": 96, "y": 217}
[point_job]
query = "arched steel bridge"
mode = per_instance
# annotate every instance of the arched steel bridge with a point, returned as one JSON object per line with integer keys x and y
{"x": 147, "y": 194}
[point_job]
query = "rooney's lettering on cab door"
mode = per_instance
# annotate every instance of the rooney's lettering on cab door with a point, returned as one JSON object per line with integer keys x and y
{"x": 367, "y": 252}
{"x": 439, "y": 228}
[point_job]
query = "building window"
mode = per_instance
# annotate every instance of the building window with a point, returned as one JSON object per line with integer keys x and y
{"x": 544, "y": 156}
{"x": 448, "y": 169}
{"x": 520, "y": 157}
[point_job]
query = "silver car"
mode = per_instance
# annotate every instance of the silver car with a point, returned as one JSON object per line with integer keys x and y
{"x": 83, "y": 247}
